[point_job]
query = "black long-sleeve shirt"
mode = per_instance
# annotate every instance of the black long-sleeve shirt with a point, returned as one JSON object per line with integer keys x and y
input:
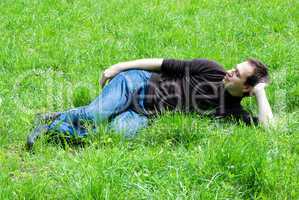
{"x": 191, "y": 86}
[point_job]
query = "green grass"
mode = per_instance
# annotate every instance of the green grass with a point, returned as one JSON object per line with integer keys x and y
{"x": 52, "y": 54}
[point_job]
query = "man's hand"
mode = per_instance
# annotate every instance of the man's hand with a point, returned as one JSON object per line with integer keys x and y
{"x": 258, "y": 87}
{"x": 108, "y": 74}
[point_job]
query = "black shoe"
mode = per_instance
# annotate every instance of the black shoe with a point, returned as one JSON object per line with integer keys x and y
{"x": 47, "y": 117}
{"x": 36, "y": 133}
{"x": 40, "y": 123}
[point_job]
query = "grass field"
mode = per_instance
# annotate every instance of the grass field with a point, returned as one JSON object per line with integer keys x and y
{"x": 52, "y": 53}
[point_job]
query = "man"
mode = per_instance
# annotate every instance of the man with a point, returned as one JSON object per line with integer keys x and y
{"x": 144, "y": 88}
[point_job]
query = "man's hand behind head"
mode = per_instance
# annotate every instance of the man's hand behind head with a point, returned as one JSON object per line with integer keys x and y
{"x": 257, "y": 88}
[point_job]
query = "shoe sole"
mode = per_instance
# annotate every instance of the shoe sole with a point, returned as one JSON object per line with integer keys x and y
{"x": 35, "y": 134}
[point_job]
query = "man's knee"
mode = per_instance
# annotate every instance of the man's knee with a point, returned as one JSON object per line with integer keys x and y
{"x": 127, "y": 125}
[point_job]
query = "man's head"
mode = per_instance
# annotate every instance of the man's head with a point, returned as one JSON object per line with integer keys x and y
{"x": 240, "y": 80}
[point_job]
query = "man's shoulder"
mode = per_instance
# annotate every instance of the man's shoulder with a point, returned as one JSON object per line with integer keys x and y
{"x": 208, "y": 63}
{"x": 208, "y": 67}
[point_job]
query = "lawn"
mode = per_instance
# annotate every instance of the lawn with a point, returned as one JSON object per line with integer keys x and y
{"x": 52, "y": 54}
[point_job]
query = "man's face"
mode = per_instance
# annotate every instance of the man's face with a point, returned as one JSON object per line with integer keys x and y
{"x": 235, "y": 79}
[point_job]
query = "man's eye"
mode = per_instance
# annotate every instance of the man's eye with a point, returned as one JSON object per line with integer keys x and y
{"x": 237, "y": 73}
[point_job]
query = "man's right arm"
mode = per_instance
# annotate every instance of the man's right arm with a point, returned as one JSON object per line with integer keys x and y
{"x": 265, "y": 116}
{"x": 149, "y": 64}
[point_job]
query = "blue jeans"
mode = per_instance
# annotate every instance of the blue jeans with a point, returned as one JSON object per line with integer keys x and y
{"x": 113, "y": 103}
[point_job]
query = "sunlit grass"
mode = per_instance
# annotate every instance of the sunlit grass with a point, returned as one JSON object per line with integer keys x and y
{"x": 51, "y": 57}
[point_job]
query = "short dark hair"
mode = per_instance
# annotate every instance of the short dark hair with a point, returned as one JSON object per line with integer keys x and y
{"x": 260, "y": 72}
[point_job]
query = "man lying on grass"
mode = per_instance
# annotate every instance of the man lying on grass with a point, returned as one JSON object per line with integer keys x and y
{"x": 145, "y": 88}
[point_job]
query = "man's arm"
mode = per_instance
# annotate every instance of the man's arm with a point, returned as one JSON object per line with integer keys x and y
{"x": 265, "y": 115}
{"x": 149, "y": 64}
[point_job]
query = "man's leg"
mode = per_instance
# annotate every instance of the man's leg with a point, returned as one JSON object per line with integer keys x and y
{"x": 128, "y": 123}
{"x": 115, "y": 98}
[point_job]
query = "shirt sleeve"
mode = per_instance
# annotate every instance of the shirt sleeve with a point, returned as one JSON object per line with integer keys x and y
{"x": 179, "y": 68}
{"x": 245, "y": 116}
{"x": 248, "y": 119}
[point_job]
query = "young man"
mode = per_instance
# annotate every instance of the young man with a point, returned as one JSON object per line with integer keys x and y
{"x": 144, "y": 88}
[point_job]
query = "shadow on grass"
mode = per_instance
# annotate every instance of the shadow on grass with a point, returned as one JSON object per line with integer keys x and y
{"x": 168, "y": 130}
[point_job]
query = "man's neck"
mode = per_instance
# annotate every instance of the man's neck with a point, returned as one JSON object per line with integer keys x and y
{"x": 235, "y": 94}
